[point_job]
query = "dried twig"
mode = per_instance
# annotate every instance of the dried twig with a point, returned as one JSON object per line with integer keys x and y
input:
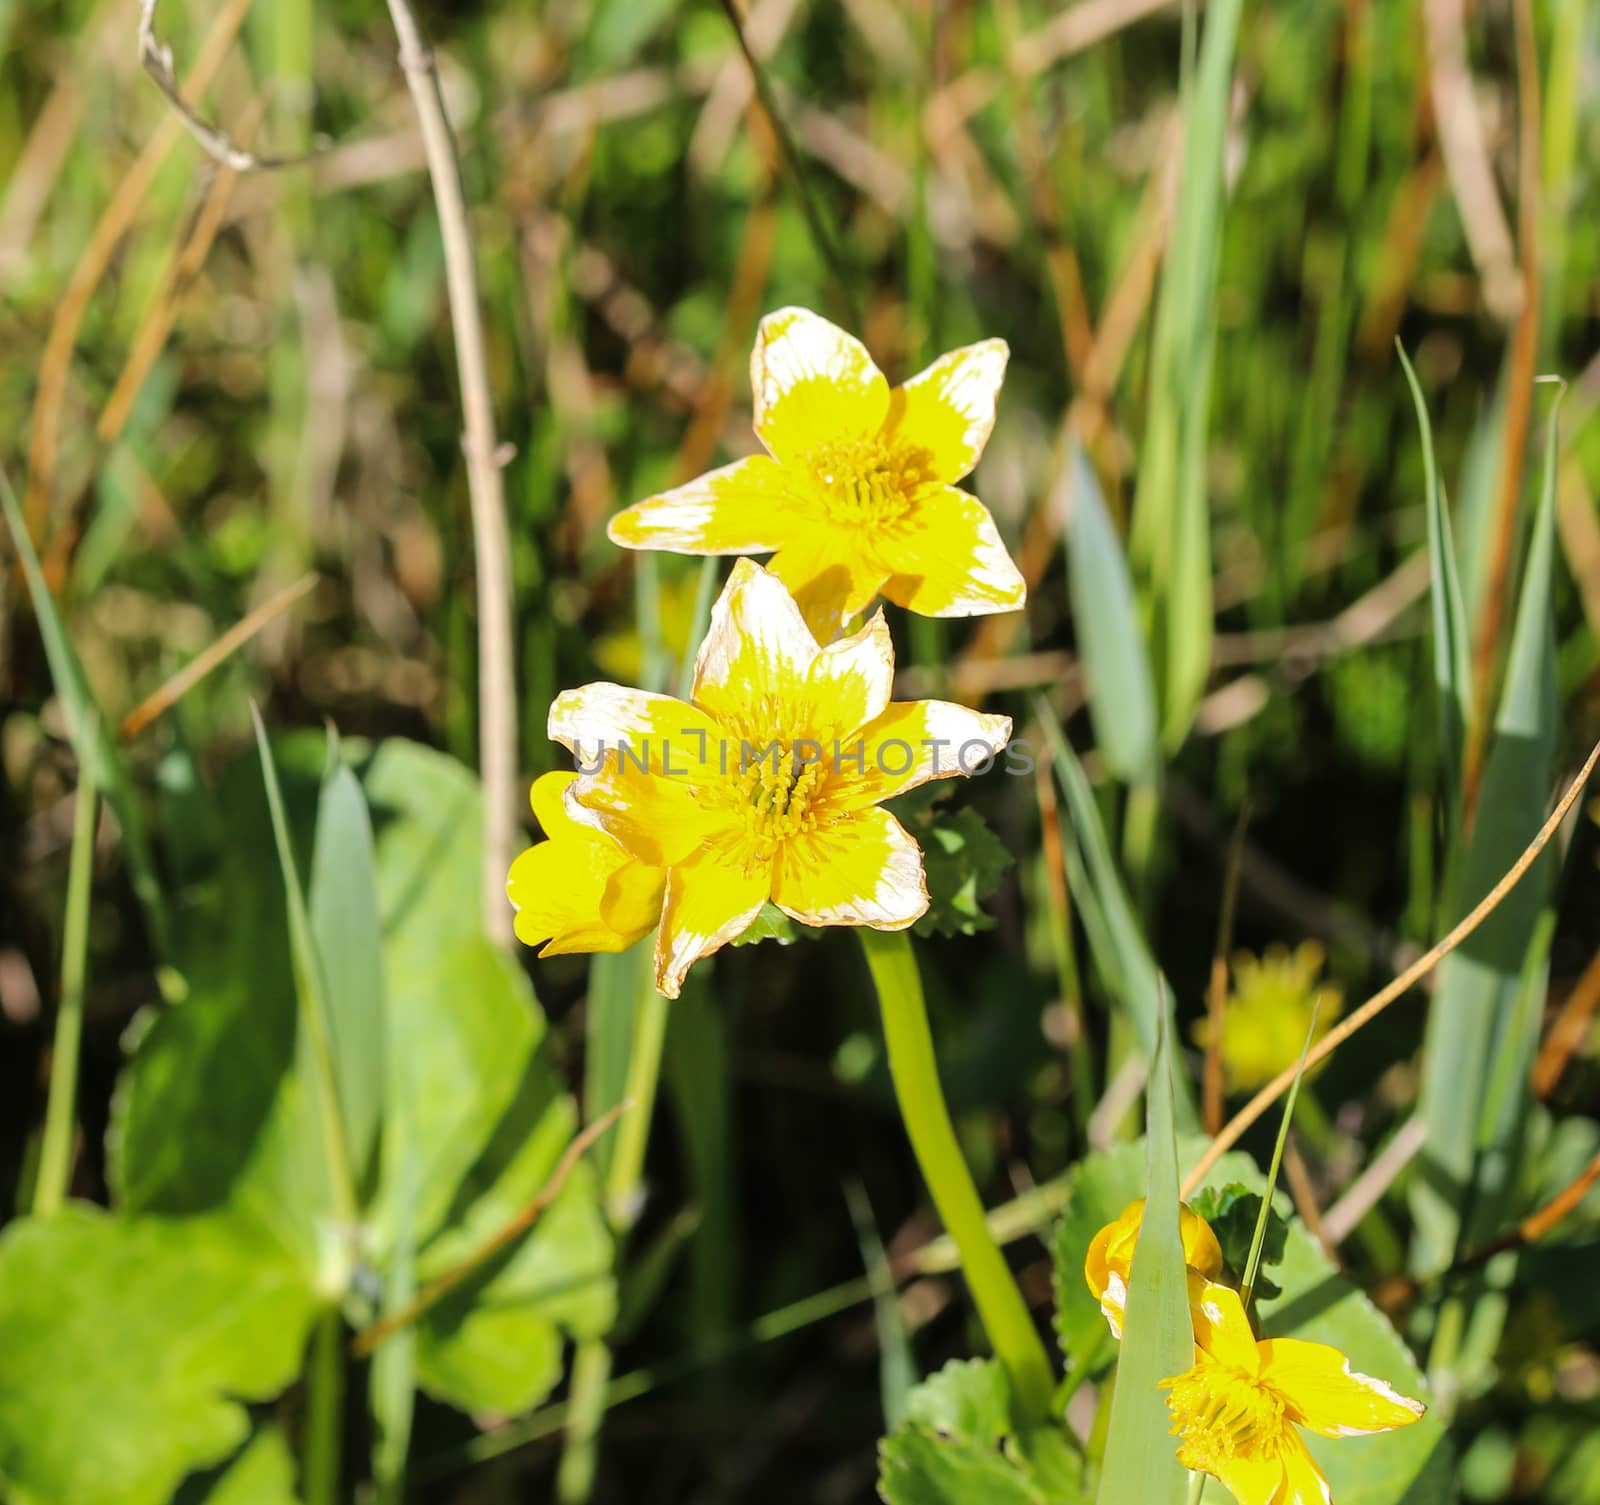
{"x": 1366, "y": 1191}
{"x": 386, "y": 1327}
{"x": 497, "y": 729}
{"x": 1569, "y": 1031}
{"x": 1402, "y": 984}
{"x": 156, "y": 58}
{"x": 204, "y": 662}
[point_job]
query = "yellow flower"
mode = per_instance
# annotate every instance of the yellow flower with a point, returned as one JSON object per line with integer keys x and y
{"x": 578, "y": 890}
{"x": 1269, "y": 1011}
{"x": 1110, "y": 1257}
{"x": 1237, "y": 1410}
{"x": 856, "y": 493}
{"x": 621, "y": 654}
{"x": 766, "y": 784}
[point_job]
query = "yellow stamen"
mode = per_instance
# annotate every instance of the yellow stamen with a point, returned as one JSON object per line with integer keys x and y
{"x": 866, "y": 481}
{"x": 1223, "y": 1413}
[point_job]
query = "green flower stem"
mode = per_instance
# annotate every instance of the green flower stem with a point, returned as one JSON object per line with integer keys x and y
{"x": 324, "y": 1411}
{"x": 591, "y": 1363}
{"x": 55, "y": 1158}
{"x": 633, "y": 1129}
{"x": 915, "y": 1071}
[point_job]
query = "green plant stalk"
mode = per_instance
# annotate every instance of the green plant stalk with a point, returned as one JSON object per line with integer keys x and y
{"x": 1197, "y": 1487}
{"x": 591, "y": 1364}
{"x": 55, "y": 1158}
{"x": 1252, "y": 1269}
{"x": 324, "y": 1411}
{"x": 915, "y": 1070}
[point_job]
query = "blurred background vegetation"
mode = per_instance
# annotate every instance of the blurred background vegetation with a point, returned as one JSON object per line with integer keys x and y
{"x": 218, "y": 383}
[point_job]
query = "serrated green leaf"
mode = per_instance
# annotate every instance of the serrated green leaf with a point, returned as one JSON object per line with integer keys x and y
{"x": 1111, "y": 646}
{"x": 964, "y": 862}
{"x": 958, "y": 1446}
{"x": 1141, "y": 1459}
{"x": 130, "y": 1347}
{"x": 771, "y": 924}
{"x": 343, "y": 906}
{"x": 263, "y": 1473}
{"x": 1233, "y": 1212}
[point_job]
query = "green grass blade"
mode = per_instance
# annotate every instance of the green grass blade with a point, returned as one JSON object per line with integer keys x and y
{"x": 348, "y": 937}
{"x": 1473, "y": 1022}
{"x": 1258, "y": 1239}
{"x": 1171, "y": 539}
{"x": 92, "y": 741}
{"x": 1141, "y": 1461}
{"x": 1136, "y": 980}
{"x": 315, "y": 1046}
{"x": 1116, "y": 666}
{"x": 897, "y": 1365}
{"x": 1452, "y": 673}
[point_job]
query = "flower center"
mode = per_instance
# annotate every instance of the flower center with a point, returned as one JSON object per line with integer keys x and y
{"x": 865, "y": 482}
{"x": 1222, "y": 1413}
{"x": 776, "y": 791}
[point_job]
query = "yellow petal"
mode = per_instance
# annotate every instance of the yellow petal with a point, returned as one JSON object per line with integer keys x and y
{"x": 860, "y": 870}
{"x": 1303, "y": 1482}
{"x": 812, "y": 384}
{"x": 1201, "y": 1251}
{"x": 829, "y": 575}
{"x": 642, "y": 758}
{"x": 1220, "y": 1325}
{"x": 1110, "y": 1257}
{"x": 548, "y": 798}
{"x": 946, "y": 559}
{"x": 1322, "y": 1392}
{"x": 948, "y": 409}
{"x": 756, "y": 655}
{"x": 911, "y": 742}
{"x": 741, "y": 508}
{"x": 558, "y": 888}
{"x": 711, "y": 897}
{"x": 1252, "y": 1479}
{"x": 631, "y": 901}
{"x": 850, "y": 682}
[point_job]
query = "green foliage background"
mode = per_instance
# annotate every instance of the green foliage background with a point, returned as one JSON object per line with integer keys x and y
{"x": 1260, "y": 579}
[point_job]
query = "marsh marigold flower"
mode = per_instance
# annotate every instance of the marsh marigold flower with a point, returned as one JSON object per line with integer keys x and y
{"x": 767, "y": 783}
{"x": 1236, "y": 1412}
{"x": 1110, "y": 1257}
{"x": 578, "y": 890}
{"x": 1268, "y": 1012}
{"x": 856, "y": 493}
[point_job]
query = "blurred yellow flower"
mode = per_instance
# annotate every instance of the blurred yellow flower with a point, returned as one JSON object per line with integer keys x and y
{"x": 578, "y": 890}
{"x": 1236, "y": 1411}
{"x": 766, "y": 785}
{"x": 1110, "y": 1257}
{"x": 1269, "y": 1011}
{"x": 856, "y": 493}
{"x": 621, "y": 654}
